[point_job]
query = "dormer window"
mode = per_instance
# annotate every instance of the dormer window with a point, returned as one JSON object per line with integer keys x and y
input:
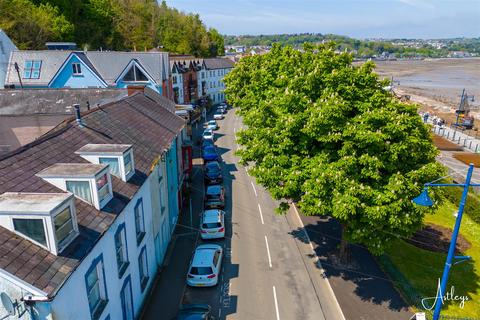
{"x": 31, "y": 228}
{"x": 134, "y": 74}
{"x": 76, "y": 69}
{"x": 63, "y": 223}
{"x": 88, "y": 182}
{"x": 118, "y": 157}
{"x": 103, "y": 187}
{"x": 46, "y": 219}
{"x": 127, "y": 160}
{"x": 112, "y": 163}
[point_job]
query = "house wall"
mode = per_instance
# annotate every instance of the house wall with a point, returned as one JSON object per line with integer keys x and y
{"x": 6, "y": 47}
{"x": 156, "y": 239}
{"x": 190, "y": 91}
{"x": 62, "y": 306}
{"x": 178, "y": 86}
{"x": 66, "y": 78}
{"x": 16, "y": 292}
{"x": 172, "y": 183}
{"x": 123, "y": 85}
{"x": 215, "y": 84}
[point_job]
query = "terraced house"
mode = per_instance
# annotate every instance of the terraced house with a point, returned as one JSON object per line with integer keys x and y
{"x": 87, "y": 211}
{"x": 88, "y": 69}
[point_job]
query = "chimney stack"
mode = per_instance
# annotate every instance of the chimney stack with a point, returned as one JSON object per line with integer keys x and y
{"x": 78, "y": 116}
{"x": 134, "y": 89}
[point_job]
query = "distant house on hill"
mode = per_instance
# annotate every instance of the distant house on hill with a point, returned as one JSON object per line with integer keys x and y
{"x": 6, "y": 47}
{"x": 88, "y": 69}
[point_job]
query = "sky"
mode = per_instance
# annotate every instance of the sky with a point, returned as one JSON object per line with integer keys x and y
{"x": 354, "y": 18}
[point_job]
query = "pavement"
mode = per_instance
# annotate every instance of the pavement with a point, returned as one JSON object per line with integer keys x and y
{"x": 270, "y": 269}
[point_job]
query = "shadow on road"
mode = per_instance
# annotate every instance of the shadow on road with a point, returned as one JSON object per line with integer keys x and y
{"x": 360, "y": 280}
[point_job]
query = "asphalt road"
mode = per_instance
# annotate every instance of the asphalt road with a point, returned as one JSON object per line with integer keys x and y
{"x": 266, "y": 273}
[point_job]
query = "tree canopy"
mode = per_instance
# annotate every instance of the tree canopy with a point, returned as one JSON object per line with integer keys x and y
{"x": 108, "y": 24}
{"x": 323, "y": 132}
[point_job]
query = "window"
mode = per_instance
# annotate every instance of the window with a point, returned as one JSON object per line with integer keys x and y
{"x": 103, "y": 188}
{"x": 135, "y": 75}
{"x": 142, "y": 268}
{"x": 126, "y": 298}
{"x": 203, "y": 75}
{"x": 161, "y": 187}
{"x": 76, "y": 69}
{"x": 63, "y": 226}
{"x": 127, "y": 160}
{"x": 81, "y": 189}
{"x": 32, "y": 69}
{"x": 32, "y": 228}
{"x": 215, "y": 258}
{"x": 113, "y": 165}
{"x": 174, "y": 79}
{"x": 139, "y": 221}
{"x": 96, "y": 288}
{"x": 121, "y": 250}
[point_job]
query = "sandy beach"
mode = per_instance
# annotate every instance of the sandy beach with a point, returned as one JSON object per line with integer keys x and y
{"x": 436, "y": 84}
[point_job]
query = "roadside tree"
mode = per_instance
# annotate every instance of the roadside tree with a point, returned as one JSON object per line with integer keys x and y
{"x": 322, "y": 132}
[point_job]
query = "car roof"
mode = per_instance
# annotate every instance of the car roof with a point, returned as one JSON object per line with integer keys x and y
{"x": 214, "y": 189}
{"x": 212, "y": 121}
{"x": 210, "y": 216}
{"x": 204, "y": 255}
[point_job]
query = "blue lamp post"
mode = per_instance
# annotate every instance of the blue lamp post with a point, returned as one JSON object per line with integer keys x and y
{"x": 424, "y": 200}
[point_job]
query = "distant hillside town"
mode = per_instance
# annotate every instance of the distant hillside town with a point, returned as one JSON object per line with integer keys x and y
{"x": 378, "y": 48}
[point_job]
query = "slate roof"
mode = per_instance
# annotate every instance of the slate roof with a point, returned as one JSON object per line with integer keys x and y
{"x": 218, "y": 63}
{"x": 135, "y": 120}
{"x": 107, "y": 64}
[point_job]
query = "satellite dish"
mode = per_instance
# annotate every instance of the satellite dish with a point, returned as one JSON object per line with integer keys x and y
{"x": 7, "y": 303}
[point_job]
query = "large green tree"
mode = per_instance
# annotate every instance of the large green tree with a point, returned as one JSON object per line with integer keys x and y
{"x": 30, "y": 26}
{"x": 323, "y": 132}
{"x": 108, "y": 24}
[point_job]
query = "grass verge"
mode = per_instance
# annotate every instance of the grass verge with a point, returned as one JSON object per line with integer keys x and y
{"x": 421, "y": 268}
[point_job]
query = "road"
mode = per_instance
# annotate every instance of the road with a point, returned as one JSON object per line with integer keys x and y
{"x": 266, "y": 272}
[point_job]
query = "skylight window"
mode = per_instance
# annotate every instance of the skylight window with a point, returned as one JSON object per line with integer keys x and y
{"x": 32, "y": 69}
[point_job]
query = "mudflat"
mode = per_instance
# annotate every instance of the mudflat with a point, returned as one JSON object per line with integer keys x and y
{"x": 437, "y": 83}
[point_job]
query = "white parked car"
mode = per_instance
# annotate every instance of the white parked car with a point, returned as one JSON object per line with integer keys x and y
{"x": 205, "y": 266}
{"x": 208, "y": 135}
{"x": 212, "y": 125}
{"x": 218, "y": 115}
{"x": 213, "y": 224}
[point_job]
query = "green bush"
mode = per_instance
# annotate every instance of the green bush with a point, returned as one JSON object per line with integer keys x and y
{"x": 472, "y": 207}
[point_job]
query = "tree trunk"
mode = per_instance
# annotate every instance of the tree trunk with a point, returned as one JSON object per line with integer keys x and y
{"x": 344, "y": 251}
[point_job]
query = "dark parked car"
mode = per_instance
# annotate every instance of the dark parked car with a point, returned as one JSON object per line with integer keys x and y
{"x": 213, "y": 172}
{"x": 215, "y": 197}
{"x": 195, "y": 312}
{"x": 209, "y": 154}
{"x": 207, "y": 142}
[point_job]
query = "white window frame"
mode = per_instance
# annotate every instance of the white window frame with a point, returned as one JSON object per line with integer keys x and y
{"x": 77, "y": 69}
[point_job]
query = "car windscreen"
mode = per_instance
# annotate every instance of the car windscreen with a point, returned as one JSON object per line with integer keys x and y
{"x": 211, "y": 225}
{"x": 213, "y": 196}
{"x": 213, "y": 168}
{"x": 201, "y": 271}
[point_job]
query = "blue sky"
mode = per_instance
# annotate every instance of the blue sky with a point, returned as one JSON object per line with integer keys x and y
{"x": 354, "y": 18}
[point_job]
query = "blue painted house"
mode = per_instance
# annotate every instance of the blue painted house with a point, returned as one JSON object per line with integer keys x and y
{"x": 89, "y": 69}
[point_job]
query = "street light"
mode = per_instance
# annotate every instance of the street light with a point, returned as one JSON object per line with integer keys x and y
{"x": 424, "y": 200}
